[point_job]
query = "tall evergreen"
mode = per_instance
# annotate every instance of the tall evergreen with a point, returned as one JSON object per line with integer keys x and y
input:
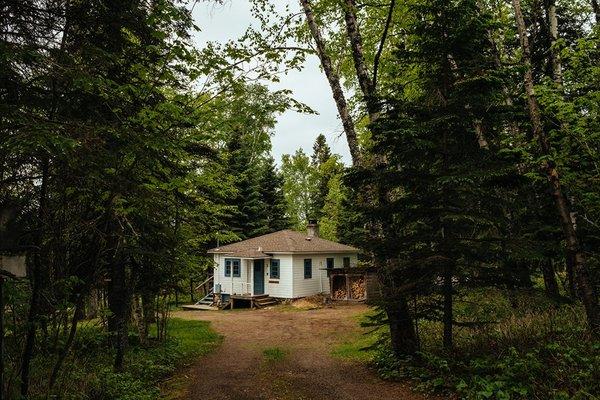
{"x": 321, "y": 151}
{"x": 249, "y": 217}
{"x": 273, "y": 198}
{"x": 326, "y": 167}
{"x": 440, "y": 138}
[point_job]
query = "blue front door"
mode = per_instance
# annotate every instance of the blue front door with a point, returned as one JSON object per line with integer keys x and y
{"x": 259, "y": 277}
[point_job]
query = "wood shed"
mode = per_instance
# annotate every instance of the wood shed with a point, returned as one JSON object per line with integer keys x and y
{"x": 354, "y": 284}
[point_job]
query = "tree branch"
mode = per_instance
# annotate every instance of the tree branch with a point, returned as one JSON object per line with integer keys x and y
{"x": 384, "y": 35}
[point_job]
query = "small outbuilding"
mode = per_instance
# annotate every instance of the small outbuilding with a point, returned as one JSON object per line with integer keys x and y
{"x": 354, "y": 284}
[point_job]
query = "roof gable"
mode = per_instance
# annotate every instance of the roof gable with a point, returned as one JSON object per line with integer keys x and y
{"x": 285, "y": 241}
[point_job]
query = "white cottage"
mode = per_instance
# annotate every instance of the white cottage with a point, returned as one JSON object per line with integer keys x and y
{"x": 285, "y": 264}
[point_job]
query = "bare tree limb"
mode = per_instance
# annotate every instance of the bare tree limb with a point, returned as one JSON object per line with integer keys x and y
{"x": 384, "y": 35}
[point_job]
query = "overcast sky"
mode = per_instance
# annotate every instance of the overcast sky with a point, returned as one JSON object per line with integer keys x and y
{"x": 293, "y": 130}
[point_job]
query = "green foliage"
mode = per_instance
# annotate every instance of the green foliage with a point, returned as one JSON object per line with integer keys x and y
{"x": 273, "y": 197}
{"x": 299, "y": 186}
{"x": 112, "y": 164}
{"x": 314, "y": 189}
{"x": 90, "y": 376}
{"x": 257, "y": 204}
{"x": 530, "y": 352}
{"x": 329, "y": 224}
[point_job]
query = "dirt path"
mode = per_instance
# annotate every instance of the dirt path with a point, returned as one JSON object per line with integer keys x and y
{"x": 238, "y": 370}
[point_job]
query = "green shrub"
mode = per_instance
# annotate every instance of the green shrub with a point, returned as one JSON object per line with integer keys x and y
{"x": 530, "y": 353}
{"x": 124, "y": 386}
{"x": 88, "y": 374}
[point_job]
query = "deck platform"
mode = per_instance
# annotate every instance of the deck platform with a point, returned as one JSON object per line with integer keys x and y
{"x": 199, "y": 307}
{"x": 256, "y": 301}
{"x": 229, "y": 301}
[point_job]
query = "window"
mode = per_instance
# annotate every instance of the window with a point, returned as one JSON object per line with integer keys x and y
{"x": 274, "y": 269}
{"x": 330, "y": 263}
{"x": 307, "y": 268}
{"x": 235, "y": 264}
{"x": 237, "y": 270}
{"x": 346, "y": 262}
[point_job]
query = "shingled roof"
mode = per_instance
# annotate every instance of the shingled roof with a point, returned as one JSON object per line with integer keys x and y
{"x": 286, "y": 241}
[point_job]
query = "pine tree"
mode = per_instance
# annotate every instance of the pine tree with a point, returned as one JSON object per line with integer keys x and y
{"x": 440, "y": 140}
{"x": 249, "y": 217}
{"x": 273, "y": 198}
{"x": 321, "y": 151}
{"x": 326, "y": 167}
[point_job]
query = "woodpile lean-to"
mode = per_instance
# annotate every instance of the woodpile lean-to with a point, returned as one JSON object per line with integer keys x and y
{"x": 356, "y": 285}
{"x": 357, "y": 288}
{"x": 339, "y": 294}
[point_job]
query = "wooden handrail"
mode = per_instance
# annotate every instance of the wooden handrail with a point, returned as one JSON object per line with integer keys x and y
{"x": 208, "y": 280}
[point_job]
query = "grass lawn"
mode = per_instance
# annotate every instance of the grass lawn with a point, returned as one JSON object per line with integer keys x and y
{"x": 361, "y": 346}
{"x": 273, "y": 354}
{"x": 149, "y": 372}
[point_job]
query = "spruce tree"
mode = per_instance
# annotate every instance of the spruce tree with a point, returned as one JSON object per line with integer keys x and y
{"x": 440, "y": 138}
{"x": 321, "y": 151}
{"x": 249, "y": 217}
{"x": 273, "y": 198}
{"x": 326, "y": 167}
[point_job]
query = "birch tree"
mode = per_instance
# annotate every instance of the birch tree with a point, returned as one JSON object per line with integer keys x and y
{"x": 573, "y": 244}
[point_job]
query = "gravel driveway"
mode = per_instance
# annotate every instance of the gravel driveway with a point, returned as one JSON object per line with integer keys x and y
{"x": 238, "y": 370}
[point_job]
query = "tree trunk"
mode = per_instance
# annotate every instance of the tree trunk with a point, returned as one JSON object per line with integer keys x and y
{"x": 554, "y": 53}
{"x": 94, "y": 304}
{"x": 334, "y": 83}
{"x": 142, "y": 327}
{"x": 119, "y": 305}
{"x": 362, "y": 72}
{"x": 192, "y": 297}
{"x": 596, "y": 8}
{"x": 384, "y": 35}
{"x": 448, "y": 316}
{"x": 36, "y": 277}
{"x": 402, "y": 329}
{"x": 77, "y": 315}
{"x": 550, "y": 282}
{"x": 149, "y": 307}
{"x": 570, "y": 268}
{"x": 588, "y": 294}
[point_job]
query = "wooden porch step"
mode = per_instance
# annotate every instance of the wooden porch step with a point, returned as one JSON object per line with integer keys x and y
{"x": 264, "y": 301}
{"x": 199, "y": 307}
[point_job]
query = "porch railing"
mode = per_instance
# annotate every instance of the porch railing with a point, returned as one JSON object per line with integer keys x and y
{"x": 236, "y": 287}
{"x": 206, "y": 287}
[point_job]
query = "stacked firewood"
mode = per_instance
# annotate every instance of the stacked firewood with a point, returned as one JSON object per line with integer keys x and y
{"x": 339, "y": 294}
{"x": 357, "y": 288}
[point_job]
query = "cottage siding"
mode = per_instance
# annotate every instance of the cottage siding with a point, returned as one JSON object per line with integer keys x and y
{"x": 229, "y": 284}
{"x": 281, "y": 287}
{"x": 319, "y": 283}
{"x": 308, "y": 287}
{"x": 291, "y": 283}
